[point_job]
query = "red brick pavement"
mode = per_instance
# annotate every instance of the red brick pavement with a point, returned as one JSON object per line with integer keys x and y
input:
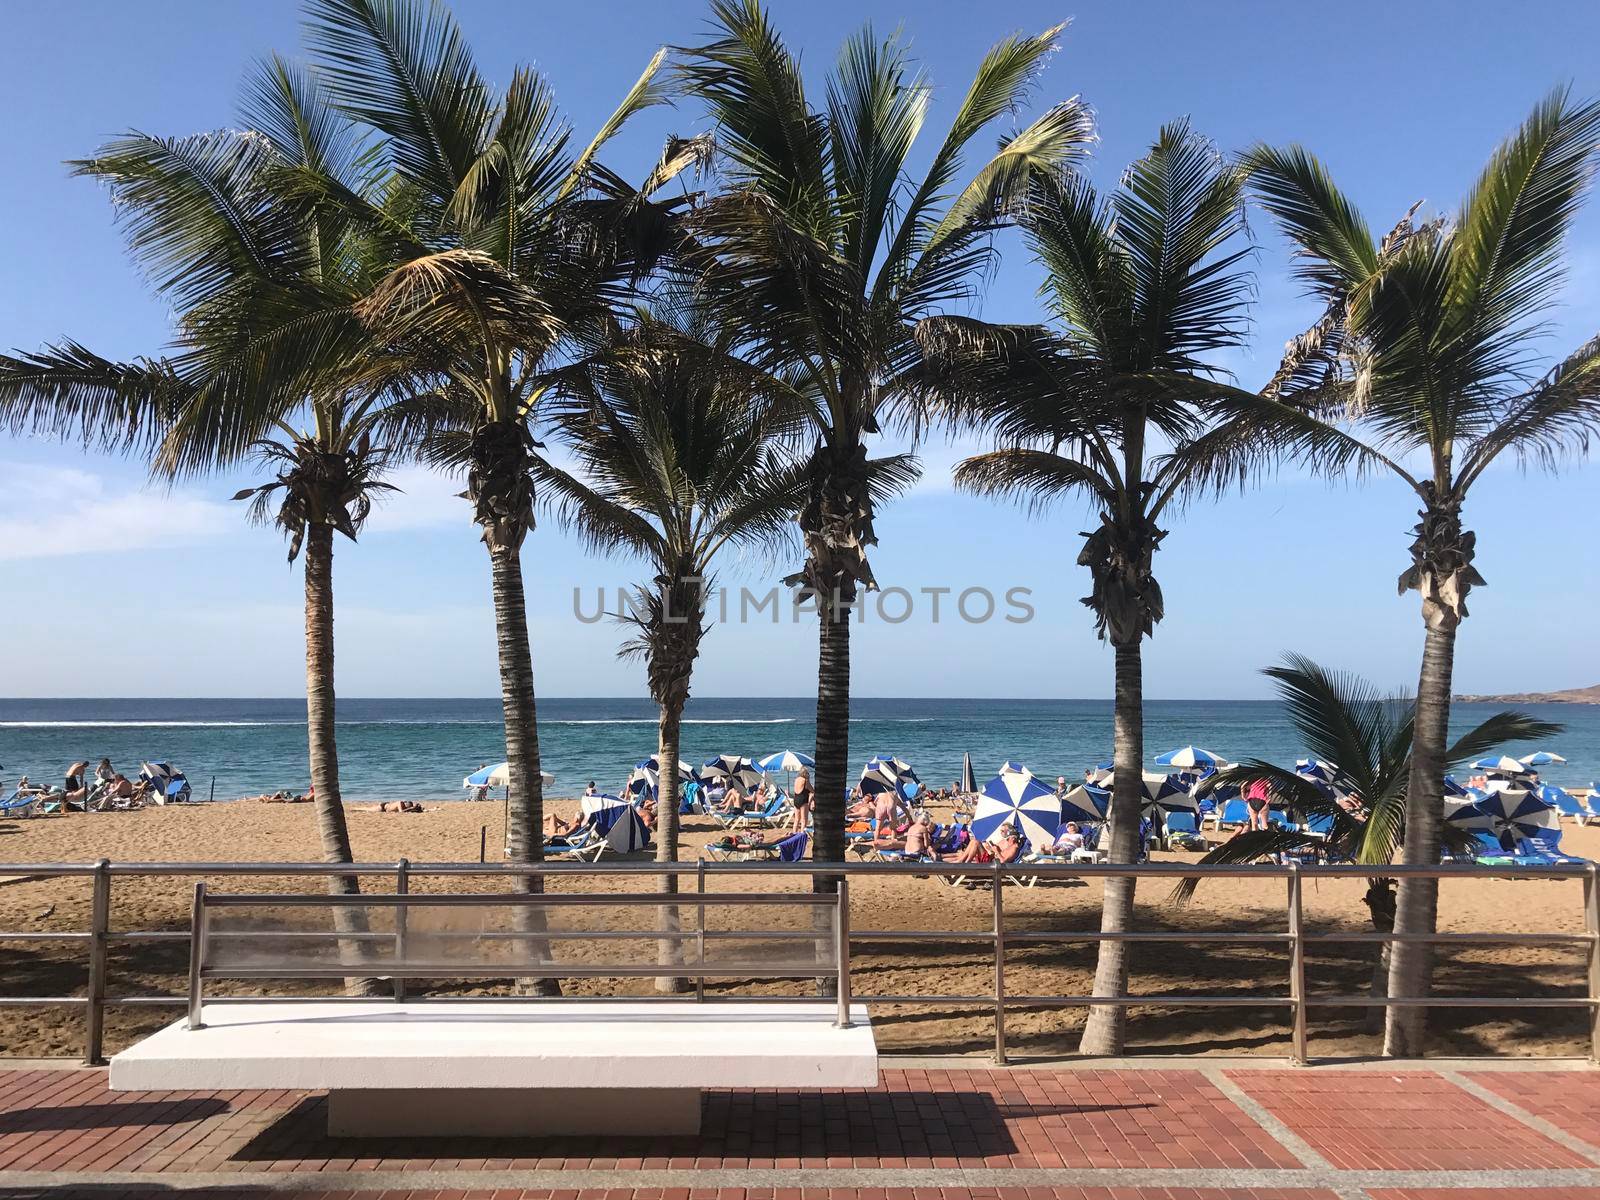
{"x": 1568, "y": 1100}
{"x": 1004, "y": 1193}
{"x": 69, "y": 1121}
{"x": 1378, "y": 1120}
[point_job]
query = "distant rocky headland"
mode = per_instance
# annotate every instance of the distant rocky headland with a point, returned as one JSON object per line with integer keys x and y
{"x": 1586, "y": 695}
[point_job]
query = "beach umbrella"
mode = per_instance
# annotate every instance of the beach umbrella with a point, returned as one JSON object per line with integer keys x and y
{"x": 1086, "y": 802}
{"x": 1515, "y": 812}
{"x": 1189, "y": 758}
{"x": 1164, "y": 794}
{"x": 1101, "y": 773}
{"x": 1500, "y": 764}
{"x": 1465, "y": 814}
{"x": 1542, "y": 758}
{"x": 1017, "y": 798}
{"x": 1316, "y": 768}
{"x": 499, "y": 776}
{"x": 618, "y": 822}
{"x": 969, "y": 781}
{"x": 1453, "y": 787}
{"x": 786, "y": 760}
{"x": 738, "y": 773}
{"x": 885, "y": 773}
{"x": 645, "y": 779}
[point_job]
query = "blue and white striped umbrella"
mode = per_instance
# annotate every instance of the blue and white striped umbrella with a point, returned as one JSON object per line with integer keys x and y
{"x": 1086, "y": 802}
{"x": 1315, "y": 768}
{"x": 1189, "y": 758}
{"x": 1515, "y": 812}
{"x": 1164, "y": 794}
{"x": 498, "y": 776}
{"x": 885, "y": 773}
{"x": 1500, "y": 764}
{"x": 618, "y": 822}
{"x": 786, "y": 760}
{"x": 645, "y": 779}
{"x": 737, "y": 772}
{"x": 1542, "y": 758}
{"x": 1465, "y": 814}
{"x": 1017, "y": 798}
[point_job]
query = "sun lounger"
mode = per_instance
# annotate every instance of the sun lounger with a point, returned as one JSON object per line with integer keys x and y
{"x": 1182, "y": 832}
{"x": 18, "y": 805}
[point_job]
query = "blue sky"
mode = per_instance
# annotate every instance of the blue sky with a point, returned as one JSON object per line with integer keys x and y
{"x": 117, "y": 588}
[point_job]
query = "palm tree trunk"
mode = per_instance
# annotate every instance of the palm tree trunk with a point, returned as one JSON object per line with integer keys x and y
{"x": 667, "y": 738}
{"x": 1417, "y": 906}
{"x": 332, "y": 829}
{"x": 525, "y": 809}
{"x": 833, "y": 728}
{"x": 832, "y": 756}
{"x": 1103, "y": 1031}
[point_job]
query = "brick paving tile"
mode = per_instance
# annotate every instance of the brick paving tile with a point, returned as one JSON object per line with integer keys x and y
{"x": 1023, "y": 1118}
{"x": 1569, "y": 1100}
{"x": 1372, "y": 1120}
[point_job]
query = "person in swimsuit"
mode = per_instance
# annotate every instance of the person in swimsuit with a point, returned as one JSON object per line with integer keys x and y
{"x": 1258, "y": 800}
{"x": 74, "y": 786}
{"x": 802, "y": 801}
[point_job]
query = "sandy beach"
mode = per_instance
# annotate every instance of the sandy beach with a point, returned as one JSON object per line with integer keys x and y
{"x": 249, "y": 831}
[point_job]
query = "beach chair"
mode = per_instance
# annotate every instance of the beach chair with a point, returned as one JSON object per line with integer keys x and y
{"x": 1234, "y": 813}
{"x": 1182, "y": 832}
{"x": 585, "y": 845}
{"x": 1566, "y": 804}
{"x": 777, "y": 808}
{"x": 18, "y": 804}
{"x": 1546, "y": 848}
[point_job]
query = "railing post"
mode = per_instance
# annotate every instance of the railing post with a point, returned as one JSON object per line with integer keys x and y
{"x": 1591, "y": 923}
{"x": 999, "y": 967}
{"x": 402, "y": 886}
{"x": 1297, "y": 966}
{"x": 99, "y": 926}
{"x": 841, "y": 949}
{"x": 197, "y": 952}
{"x": 700, "y": 929}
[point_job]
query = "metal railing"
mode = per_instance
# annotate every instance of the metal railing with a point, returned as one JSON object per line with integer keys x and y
{"x": 1294, "y": 938}
{"x": 205, "y": 938}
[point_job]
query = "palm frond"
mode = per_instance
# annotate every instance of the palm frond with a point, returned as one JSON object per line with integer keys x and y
{"x": 1555, "y": 418}
{"x": 403, "y": 67}
{"x": 1034, "y": 478}
{"x": 1337, "y": 251}
{"x": 67, "y": 391}
{"x": 647, "y": 91}
{"x": 1246, "y": 846}
{"x": 1497, "y": 731}
{"x": 1506, "y": 247}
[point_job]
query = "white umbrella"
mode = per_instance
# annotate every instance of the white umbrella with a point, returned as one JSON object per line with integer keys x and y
{"x": 499, "y": 776}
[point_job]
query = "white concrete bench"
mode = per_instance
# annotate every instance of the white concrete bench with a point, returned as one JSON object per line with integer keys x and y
{"x": 504, "y": 1069}
{"x": 492, "y": 1067}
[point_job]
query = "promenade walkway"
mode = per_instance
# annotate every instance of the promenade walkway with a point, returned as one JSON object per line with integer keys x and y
{"x": 1213, "y": 1129}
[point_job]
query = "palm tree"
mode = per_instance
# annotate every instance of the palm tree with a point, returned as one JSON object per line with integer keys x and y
{"x": 508, "y": 241}
{"x": 264, "y": 295}
{"x": 1117, "y": 403}
{"x": 682, "y": 451}
{"x": 822, "y": 252}
{"x": 1423, "y": 358}
{"x": 1365, "y": 738}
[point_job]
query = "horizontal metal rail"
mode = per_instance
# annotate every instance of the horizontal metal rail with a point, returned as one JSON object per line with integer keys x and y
{"x": 998, "y": 943}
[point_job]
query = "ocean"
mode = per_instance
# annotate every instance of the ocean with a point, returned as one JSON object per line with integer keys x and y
{"x": 421, "y": 749}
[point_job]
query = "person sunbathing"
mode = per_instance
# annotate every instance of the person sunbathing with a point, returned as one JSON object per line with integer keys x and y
{"x": 916, "y": 841}
{"x": 1068, "y": 840}
{"x": 556, "y": 826}
{"x": 1007, "y": 846}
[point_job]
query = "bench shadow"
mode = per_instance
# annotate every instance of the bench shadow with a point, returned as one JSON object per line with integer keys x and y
{"x": 110, "y": 1116}
{"x": 969, "y": 1125}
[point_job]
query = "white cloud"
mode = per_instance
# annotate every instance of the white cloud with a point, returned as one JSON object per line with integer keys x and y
{"x": 57, "y": 512}
{"x": 425, "y": 500}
